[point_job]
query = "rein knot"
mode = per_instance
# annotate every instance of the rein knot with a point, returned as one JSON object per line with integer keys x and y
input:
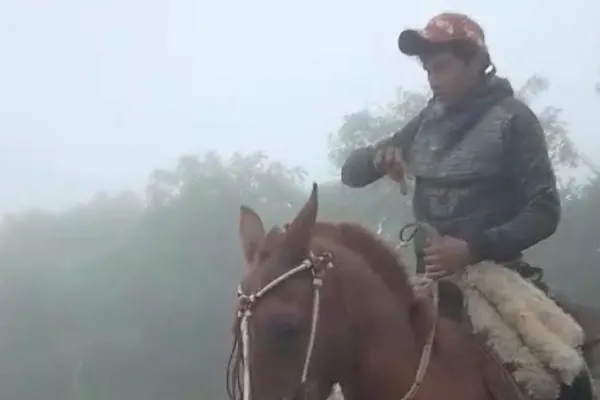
{"x": 320, "y": 264}
{"x": 245, "y": 303}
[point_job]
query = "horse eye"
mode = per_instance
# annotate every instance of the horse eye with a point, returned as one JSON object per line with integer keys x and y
{"x": 284, "y": 332}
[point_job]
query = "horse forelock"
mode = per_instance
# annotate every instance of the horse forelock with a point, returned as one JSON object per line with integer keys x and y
{"x": 260, "y": 271}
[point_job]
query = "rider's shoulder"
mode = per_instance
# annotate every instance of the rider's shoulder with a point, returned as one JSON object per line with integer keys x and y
{"x": 518, "y": 109}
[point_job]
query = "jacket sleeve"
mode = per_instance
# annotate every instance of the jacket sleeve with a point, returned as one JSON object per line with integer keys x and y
{"x": 358, "y": 169}
{"x": 531, "y": 171}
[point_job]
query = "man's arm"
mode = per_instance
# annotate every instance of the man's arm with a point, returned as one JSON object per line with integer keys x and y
{"x": 359, "y": 168}
{"x": 532, "y": 172}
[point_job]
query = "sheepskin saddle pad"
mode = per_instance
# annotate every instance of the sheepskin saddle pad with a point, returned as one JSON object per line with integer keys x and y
{"x": 528, "y": 332}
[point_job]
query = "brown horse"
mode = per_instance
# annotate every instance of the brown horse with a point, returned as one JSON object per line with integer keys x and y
{"x": 304, "y": 326}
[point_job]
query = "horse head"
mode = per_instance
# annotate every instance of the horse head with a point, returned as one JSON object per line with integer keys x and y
{"x": 283, "y": 327}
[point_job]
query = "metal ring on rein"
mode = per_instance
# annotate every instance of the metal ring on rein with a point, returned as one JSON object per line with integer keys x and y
{"x": 404, "y": 241}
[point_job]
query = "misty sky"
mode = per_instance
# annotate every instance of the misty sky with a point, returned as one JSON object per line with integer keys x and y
{"x": 96, "y": 93}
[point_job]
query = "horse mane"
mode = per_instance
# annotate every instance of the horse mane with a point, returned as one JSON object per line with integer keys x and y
{"x": 379, "y": 256}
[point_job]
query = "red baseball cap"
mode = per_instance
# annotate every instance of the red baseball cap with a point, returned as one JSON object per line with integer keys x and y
{"x": 442, "y": 28}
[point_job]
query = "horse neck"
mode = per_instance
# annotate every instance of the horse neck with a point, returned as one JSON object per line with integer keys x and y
{"x": 388, "y": 345}
{"x": 383, "y": 349}
{"x": 389, "y": 328}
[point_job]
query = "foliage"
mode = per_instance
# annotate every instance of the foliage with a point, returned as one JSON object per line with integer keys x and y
{"x": 118, "y": 296}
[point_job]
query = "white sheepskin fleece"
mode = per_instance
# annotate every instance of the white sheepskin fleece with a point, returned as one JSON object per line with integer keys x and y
{"x": 524, "y": 328}
{"x": 336, "y": 393}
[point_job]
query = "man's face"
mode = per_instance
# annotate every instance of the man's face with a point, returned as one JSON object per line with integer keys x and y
{"x": 448, "y": 76}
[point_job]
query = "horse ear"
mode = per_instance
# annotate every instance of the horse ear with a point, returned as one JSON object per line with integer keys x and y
{"x": 252, "y": 232}
{"x": 299, "y": 231}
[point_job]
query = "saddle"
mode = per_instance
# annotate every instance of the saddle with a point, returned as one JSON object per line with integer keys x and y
{"x": 530, "y": 348}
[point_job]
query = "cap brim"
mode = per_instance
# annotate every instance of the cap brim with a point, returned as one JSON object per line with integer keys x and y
{"x": 412, "y": 43}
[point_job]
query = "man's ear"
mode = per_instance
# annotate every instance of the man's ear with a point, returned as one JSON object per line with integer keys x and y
{"x": 252, "y": 232}
{"x": 479, "y": 63}
{"x": 299, "y": 231}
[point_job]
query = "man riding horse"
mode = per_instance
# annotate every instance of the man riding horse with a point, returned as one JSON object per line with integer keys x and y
{"x": 483, "y": 175}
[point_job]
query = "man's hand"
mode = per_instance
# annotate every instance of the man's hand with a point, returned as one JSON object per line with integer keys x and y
{"x": 446, "y": 255}
{"x": 389, "y": 160}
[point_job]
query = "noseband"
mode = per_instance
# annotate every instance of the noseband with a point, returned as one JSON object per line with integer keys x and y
{"x": 318, "y": 266}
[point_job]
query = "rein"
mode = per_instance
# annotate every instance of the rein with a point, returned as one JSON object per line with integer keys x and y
{"x": 425, "y": 358}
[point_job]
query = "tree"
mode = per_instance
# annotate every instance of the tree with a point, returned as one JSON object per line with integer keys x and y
{"x": 133, "y": 298}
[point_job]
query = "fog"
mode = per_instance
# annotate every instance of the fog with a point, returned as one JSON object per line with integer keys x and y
{"x": 132, "y": 131}
{"x": 96, "y": 94}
